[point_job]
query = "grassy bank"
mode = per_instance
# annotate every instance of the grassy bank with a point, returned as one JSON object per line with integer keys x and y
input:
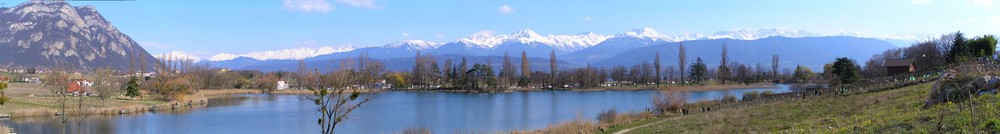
{"x": 899, "y": 110}
{"x": 33, "y": 100}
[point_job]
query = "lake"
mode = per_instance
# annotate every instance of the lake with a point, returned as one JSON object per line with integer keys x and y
{"x": 388, "y": 112}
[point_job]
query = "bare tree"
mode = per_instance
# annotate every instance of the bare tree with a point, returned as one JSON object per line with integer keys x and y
{"x": 723, "y": 72}
{"x": 525, "y": 69}
{"x": 301, "y": 74}
{"x": 57, "y": 81}
{"x": 336, "y": 104}
{"x": 508, "y": 71}
{"x": 104, "y": 83}
{"x": 774, "y": 67}
{"x": 552, "y": 66}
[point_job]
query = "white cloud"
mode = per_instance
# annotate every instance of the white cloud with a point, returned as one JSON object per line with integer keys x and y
{"x": 154, "y": 45}
{"x": 405, "y": 34}
{"x": 439, "y": 35}
{"x": 505, "y": 9}
{"x": 307, "y": 6}
{"x": 586, "y": 19}
{"x": 916, "y": 2}
{"x": 370, "y": 4}
{"x": 982, "y": 4}
{"x": 177, "y": 55}
{"x": 284, "y": 54}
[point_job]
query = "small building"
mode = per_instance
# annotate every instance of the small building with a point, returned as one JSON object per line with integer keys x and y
{"x": 76, "y": 86}
{"x": 282, "y": 85}
{"x": 899, "y": 66}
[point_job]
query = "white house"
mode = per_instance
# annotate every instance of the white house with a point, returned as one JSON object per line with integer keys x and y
{"x": 282, "y": 85}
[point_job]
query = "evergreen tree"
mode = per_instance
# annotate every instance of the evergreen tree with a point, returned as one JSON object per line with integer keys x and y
{"x": 846, "y": 70}
{"x": 698, "y": 70}
{"x": 132, "y": 89}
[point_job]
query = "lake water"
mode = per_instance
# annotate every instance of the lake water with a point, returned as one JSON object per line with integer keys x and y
{"x": 388, "y": 112}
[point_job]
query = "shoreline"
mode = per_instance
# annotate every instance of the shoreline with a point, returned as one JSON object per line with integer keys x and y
{"x": 32, "y": 106}
{"x": 31, "y": 101}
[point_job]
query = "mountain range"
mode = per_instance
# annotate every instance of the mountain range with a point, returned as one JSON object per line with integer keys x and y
{"x": 625, "y": 49}
{"x": 51, "y": 33}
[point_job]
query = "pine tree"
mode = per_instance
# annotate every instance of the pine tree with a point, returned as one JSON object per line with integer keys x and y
{"x": 698, "y": 70}
{"x": 681, "y": 62}
{"x": 656, "y": 66}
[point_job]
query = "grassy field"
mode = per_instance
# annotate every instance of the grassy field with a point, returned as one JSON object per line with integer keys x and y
{"x": 893, "y": 111}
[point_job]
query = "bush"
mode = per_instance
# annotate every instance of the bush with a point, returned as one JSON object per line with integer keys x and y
{"x": 991, "y": 125}
{"x": 766, "y": 93}
{"x": 574, "y": 126}
{"x": 670, "y": 101}
{"x": 417, "y": 130}
{"x": 750, "y": 96}
{"x": 728, "y": 98}
{"x": 607, "y": 116}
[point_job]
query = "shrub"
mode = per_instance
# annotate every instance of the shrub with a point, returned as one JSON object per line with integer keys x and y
{"x": 607, "y": 116}
{"x": 574, "y": 126}
{"x": 767, "y": 93}
{"x": 417, "y": 130}
{"x": 991, "y": 125}
{"x": 729, "y": 98}
{"x": 670, "y": 101}
{"x": 750, "y": 96}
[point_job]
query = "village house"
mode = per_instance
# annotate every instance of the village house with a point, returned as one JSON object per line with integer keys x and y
{"x": 898, "y": 66}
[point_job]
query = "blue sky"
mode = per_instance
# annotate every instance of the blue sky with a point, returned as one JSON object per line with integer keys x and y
{"x": 208, "y": 27}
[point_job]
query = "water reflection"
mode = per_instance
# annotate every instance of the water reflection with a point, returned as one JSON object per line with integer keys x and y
{"x": 388, "y": 112}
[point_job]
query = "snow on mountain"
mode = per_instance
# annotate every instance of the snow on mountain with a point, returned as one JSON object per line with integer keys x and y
{"x": 753, "y": 34}
{"x": 528, "y": 36}
{"x": 285, "y": 54}
{"x": 487, "y": 43}
{"x": 645, "y": 33}
{"x": 177, "y": 55}
{"x": 413, "y": 45}
{"x": 578, "y": 41}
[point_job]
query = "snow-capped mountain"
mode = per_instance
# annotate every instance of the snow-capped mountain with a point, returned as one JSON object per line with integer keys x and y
{"x": 753, "y": 34}
{"x": 528, "y": 36}
{"x": 285, "y": 54}
{"x": 578, "y": 48}
{"x": 177, "y": 55}
{"x": 413, "y": 45}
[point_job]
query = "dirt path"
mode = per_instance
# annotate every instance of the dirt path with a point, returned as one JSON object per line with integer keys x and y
{"x": 643, "y": 125}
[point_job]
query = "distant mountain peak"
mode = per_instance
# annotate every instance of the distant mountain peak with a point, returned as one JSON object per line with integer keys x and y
{"x": 753, "y": 34}
{"x": 645, "y": 32}
{"x": 177, "y": 55}
{"x": 527, "y": 35}
{"x": 414, "y": 44}
{"x": 284, "y": 54}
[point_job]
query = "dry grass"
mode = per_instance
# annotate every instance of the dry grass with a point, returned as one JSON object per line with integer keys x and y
{"x": 417, "y": 130}
{"x": 626, "y": 118}
{"x": 576, "y": 126}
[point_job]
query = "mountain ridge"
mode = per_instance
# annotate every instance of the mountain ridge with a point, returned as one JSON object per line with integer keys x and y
{"x": 46, "y": 34}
